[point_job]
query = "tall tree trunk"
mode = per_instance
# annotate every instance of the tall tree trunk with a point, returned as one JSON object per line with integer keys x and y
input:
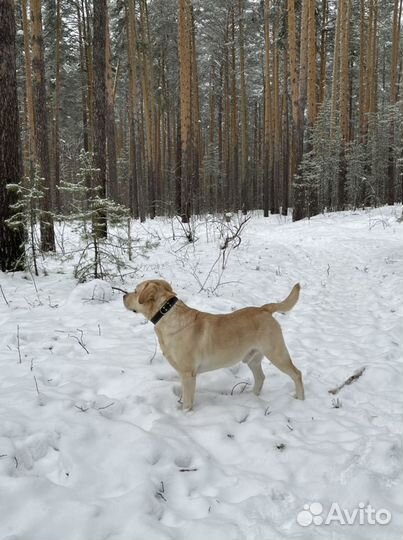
{"x": 99, "y": 135}
{"x": 275, "y": 185}
{"x": 336, "y": 69}
{"x": 394, "y": 66}
{"x": 211, "y": 183}
{"x": 136, "y": 203}
{"x": 11, "y": 239}
{"x": 56, "y": 111}
{"x": 267, "y": 113}
{"x": 112, "y": 183}
{"x": 197, "y": 150}
{"x": 311, "y": 201}
{"x": 41, "y": 127}
{"x": 87, "y": 39}
{"x": 28, "y": 89}
{"x": 345, "y": 14}
{"x": 226, "y": 122}
{"x": 372, "y": 58}
{"x": 323, "y": 40}
{"x": 311, "y": 78}
{"x": 84, "y": 102}
{"x": 362, "y": 71}
{"x": 185, "y": 84}
{"x": 292, "y": 48}
{"x": 255, "y": 153}
{"x": 245, "y": 193}
{"x": 345, "y": 8}
{"x": 234, "y": 135}
{"x": 285, "y": 144}
{"x": 299, "y": 211}
{"x": 220, "y": 135}
{"x": 149, "y": 107}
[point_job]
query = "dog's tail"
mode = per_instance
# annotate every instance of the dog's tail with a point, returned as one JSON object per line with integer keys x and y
{"x": 287, "y": 304}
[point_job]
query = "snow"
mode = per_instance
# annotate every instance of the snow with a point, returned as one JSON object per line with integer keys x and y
{"x": 93, "y": 445}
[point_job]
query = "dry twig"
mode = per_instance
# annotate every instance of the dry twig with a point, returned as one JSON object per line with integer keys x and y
{"x": 348, "y": 381}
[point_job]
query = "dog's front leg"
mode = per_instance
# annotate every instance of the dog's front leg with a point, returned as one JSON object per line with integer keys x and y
{"x": 188, "y": 390}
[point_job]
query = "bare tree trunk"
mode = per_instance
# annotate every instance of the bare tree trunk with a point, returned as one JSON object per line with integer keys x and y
{"x": 285, "y": 144}
{"x": 299, "y": 191}
{"x": 323, "y": 39}
{"x": 11, "y": 239}
{"x": 292, "y": 46}
{"x": 87, "y": 39}
{"x": 136, "y": 202}
{"x": 41, "y": 126}
{"x": 56, "y": 112}
{"x": 275, "y": 185}
{"x": 245, "y": 194}
{"x": 267, "y": 113}
{"x": 149, "y": 108}
{"x": 28, "y": 89}
{"x": 226, "y": 123}
{"x": 84, "y": 102}
{"x": 311, "y": 79}
{"x": 211, "y": 184}
{"x": 99, "y": 135}
{"x": 112, "y": 182}
{"x": 394, "y": 66}
{"x": 345, "y": 8}
{"x": 336, "y": 69}
{"x": 197, "y": 149}
{"x": 234, "y": 154}
{"x": 362, "y": 70}
{"x": 185, "y": 79}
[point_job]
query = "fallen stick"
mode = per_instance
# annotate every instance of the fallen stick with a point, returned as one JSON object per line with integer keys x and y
{"x": 348, "y": 381}
{"x": 121, "y": 290}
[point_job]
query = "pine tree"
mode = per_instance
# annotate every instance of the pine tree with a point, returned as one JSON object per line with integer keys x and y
{"x": 11, "y": 238}
{"x": 99, "y": 135}
{"x": 41, "y": 127}
{"x": 185, "y": 67}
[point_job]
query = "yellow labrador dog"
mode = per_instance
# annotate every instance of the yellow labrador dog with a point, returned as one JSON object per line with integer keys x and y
{"x": 194, "y": 342}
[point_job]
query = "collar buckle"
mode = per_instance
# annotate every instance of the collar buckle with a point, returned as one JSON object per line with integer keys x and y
{"x": 169, "y": 304}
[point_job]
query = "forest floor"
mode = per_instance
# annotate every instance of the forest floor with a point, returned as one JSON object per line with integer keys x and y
{"x": 94, "y": 447}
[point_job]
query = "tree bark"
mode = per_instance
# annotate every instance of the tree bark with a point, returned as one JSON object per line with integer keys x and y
{"x": 267, "y": 113}
{"x": 41, "y": 127}
{"x": 28, "y": 89}
{"x": 11, "y": 239}
{"x": 112, "y": 183}
{"x": 99, "y": 135}
{"x": 394, "y": 66}
{"x": 148, "y": 108}
{"x": 292, "y": 47}
{"x": 185, "y": 84}
{"x": 245, "y": 192}
{"x": 299, "y": 211}
{"x": 136, "y": 202}
{"x": 56, "y": 111}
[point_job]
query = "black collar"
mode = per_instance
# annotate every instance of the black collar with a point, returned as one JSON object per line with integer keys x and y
{"x": 164, "y": 309}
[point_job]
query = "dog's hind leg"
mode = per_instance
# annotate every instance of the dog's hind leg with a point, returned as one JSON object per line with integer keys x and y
{"x": 254, "y": 360}
{"x": 280, "y": 358}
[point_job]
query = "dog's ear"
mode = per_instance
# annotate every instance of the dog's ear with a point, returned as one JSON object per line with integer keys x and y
{"x": 167, "y": 287}
{"x": 147, "y": 293}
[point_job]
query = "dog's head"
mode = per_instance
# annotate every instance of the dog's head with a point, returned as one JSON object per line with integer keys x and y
{"x": 148, "y": 297}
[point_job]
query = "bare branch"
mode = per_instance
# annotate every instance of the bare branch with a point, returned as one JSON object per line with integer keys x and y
{"x": 348, "y": 381}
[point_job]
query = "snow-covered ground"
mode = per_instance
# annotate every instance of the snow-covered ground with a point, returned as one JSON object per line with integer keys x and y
{"x": 94, "y": 447}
